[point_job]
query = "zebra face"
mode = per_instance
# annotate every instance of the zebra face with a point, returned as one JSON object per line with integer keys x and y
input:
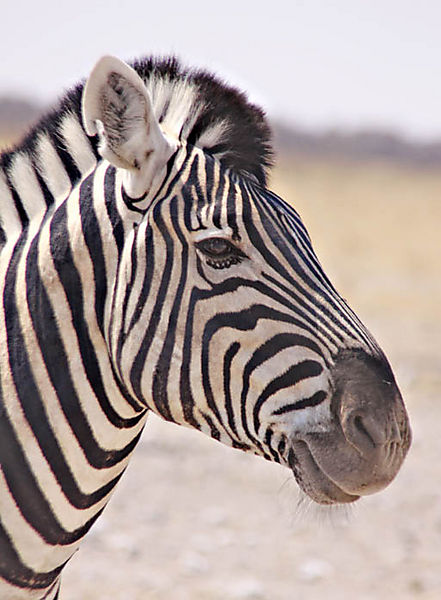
{"x": 225, "y": 321}
{"x": 259, "y": 350}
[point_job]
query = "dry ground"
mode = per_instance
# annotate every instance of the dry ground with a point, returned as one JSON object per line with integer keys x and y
{"x": 192, "y": 520}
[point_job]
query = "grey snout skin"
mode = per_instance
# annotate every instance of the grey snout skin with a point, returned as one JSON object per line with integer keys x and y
{"x": 368, "y": 441}
{"x": 374, "y": 421}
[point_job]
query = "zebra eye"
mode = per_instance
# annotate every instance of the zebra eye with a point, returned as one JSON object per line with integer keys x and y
{"x": 217, "y": 247}
{"x": 220, "y": 253}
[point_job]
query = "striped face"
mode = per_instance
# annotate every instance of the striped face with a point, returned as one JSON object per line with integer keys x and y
{"x": 232, "y": 326}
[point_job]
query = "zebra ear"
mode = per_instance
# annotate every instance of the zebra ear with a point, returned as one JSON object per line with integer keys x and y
{"x": 117, "y": 106}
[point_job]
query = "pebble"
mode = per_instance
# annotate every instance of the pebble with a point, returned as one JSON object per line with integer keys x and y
{"x": 314, "y": 569}
{"x": 246, "y": 589}
{"x": 195, "y": 563}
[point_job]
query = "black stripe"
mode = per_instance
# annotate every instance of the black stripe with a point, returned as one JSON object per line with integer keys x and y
{"x": 214, "y": 431}
{"x": 69, "y": 164}
{"x": 231, "y": 209}
{"x": 174, "y": 178}
{"x": 16, "y": 198}
{"x": 187, "y": 400}
{"x": 281, "y": 447}
{"x": 319, "y": 325}
{"x": 131, "y": 202}
{"x": 218, "y": 192}
{"x": 299, "y": 372}
{"x": 312, "y": 323}
{"x": 308, "y": 324}
{"x": 314, "y": 400}
{"x": 3, "y": 237}
{"x": 48, "y": 197}
{"x": 269, "y": 349}
{"x": 276, "y": 344}
{"x": 193, "y": 181}
{"x": 292, "y": 223}
{"x": 113, "y": 214}
{"x": 268, "y": 438}
{"x": 122, "y": 308}
{"x": 92, "y": 238}
{"x": 228, "y": 360}
{"x": 56, "y": 585}
{"x": 243, "y": 320}
{"x": 55, "y": 358}
{"x": 16, "y": 573}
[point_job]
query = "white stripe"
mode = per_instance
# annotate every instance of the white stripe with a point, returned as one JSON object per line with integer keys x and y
{"x": 181, "y": 98}
{"x": 9, "y": 217}
{"x": 23, "y": 178}
{"x": 212, "y": 136}
{"x": 77, "y": 143}
{"x": 51, "y": 168}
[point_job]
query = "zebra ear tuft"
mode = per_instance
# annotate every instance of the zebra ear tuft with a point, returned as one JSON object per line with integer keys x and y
{"x": 117, "y": 106}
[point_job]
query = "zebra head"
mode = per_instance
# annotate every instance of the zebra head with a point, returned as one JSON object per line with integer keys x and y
{"x": 220, "y": 316}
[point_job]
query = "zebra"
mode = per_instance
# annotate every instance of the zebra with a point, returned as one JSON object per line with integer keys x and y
{"x": 145, "y": 266}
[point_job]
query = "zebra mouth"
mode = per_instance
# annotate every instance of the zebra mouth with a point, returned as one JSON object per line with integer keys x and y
{"x": 312, "y": 479}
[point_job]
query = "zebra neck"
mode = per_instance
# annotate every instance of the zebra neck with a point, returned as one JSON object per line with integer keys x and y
{"x": 64, "y": 416}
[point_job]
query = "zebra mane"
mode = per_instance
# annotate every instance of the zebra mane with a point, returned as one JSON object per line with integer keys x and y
{"x": 207, "y": 113}
{"x": 191, "y": 105}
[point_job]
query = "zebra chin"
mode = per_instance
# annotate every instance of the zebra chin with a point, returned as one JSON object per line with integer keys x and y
{"x": 368, "y": 438}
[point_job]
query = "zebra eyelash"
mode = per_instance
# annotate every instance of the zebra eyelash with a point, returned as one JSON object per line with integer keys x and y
{"x": 224, "y": 264}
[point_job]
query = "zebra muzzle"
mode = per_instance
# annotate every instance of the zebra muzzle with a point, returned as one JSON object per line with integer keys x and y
{"x": 369, "y": 437}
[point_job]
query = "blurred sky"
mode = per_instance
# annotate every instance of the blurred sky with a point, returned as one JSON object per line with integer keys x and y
{"x": 316, "y": 63}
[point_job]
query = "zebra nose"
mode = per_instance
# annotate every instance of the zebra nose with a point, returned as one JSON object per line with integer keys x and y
{"x": 370, "y": 409}
{"x": 366, "y": 432}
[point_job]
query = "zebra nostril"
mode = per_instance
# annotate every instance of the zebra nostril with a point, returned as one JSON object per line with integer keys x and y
{"x": 366, "y": 433}
{"x": 363, "y": 432}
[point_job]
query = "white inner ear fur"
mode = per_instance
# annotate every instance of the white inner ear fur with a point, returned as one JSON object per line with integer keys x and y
{"x": 117, "y": 106}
